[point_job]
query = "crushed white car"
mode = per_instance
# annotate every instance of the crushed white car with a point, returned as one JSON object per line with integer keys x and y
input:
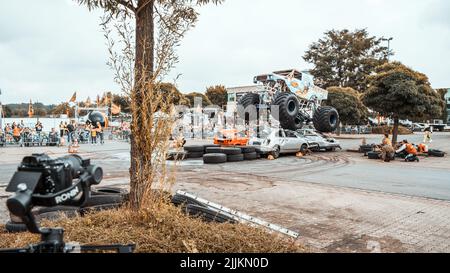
{"x": 280, "y": 141}
{"x": 320, "y": 141}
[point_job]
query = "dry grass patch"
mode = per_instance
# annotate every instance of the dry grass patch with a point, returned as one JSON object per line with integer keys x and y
{"x": 161, "y": 229}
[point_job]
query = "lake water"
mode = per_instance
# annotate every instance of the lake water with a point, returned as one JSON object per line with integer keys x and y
{"x": 48, "y": 123}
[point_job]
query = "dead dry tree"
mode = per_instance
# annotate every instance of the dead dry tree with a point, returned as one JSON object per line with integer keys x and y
{"x": 152, "y": 119}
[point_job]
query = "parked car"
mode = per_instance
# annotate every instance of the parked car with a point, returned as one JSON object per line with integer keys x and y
{"x": 280, "y": 141}
{"x": 419, "y": 127}
{"x": 323, "y": 142}
{"x": 436, "y": 125}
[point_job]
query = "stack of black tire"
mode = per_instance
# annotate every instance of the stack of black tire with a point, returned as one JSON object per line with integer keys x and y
{"x": 194, "y": 151}
{"x": 217, "y": 155}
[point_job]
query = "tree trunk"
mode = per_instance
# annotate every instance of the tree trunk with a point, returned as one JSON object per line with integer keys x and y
{"x": 395, "y": 130}
{"x": 144, "y": 65}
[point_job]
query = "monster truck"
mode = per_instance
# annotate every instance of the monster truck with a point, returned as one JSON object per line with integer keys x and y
{"x": 293, "y": 100}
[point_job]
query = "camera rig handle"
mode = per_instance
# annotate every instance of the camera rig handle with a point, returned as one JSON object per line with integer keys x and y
{"x": 22, "y": 203}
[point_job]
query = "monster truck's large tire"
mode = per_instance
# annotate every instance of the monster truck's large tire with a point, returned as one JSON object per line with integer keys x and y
{"x": 214, "y": 158}
{"x": 247, "y": 100}
{"x": 288, "y": 111}
{"x": 326, "y": 119}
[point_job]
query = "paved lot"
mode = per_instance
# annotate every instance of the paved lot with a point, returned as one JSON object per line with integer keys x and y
{"x": 339, "y": 202}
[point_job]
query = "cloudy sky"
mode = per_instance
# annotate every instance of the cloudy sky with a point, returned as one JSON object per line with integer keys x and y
{"x": 52, "y": 48}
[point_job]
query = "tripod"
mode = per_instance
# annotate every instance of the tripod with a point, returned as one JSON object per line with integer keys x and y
{"x": 52, "y": 241}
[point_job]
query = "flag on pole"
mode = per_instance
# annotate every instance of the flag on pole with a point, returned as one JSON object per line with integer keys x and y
{"x": 30, "y": 110}
{"x": 74, "y": 97}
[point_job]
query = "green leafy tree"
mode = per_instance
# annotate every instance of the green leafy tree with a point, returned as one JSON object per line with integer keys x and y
{"x": 349, "y": 105}
{"x": 217, "y": 95}
{"x": 7, "y": 111}
{"x": 160, "y": 25}
{"x": 344, "y": 58}
{"x": 442, "y": 92}
{"x": 191, "y": 98}
{"x": 399, "y": 92}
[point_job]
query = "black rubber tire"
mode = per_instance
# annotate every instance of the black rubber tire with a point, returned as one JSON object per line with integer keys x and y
{"x": 205, "y": 147}
{"x": 109, "y": 191}
{"x": 207, "y": 214}
{"x": 248, "y": 149}
{"x": 227, "y": 151}
{"x": 235, "y": 158}
{"x": 177, "y": 156}
{"x": 326, "y": 119}
{"x": 246, "y": 101}
{"x": 192, "y": 155}
{"x": 194, "y": 148}
{"x": 181, "y": 200}
{"x": 251, "y": 156}
{"x": 276, "y": 153}
{"x": 365, "y": 148}
{"x": 214, "y": 158}
{"x": 288, "y": 110}
{"x": 436, "y": 153}
{"x": 83, "y": 211}
{"x": 98, "y": 200}
{"x": 13, "y": 227}
{"x": 213, "y": 150}
{"x": 304, "y": 148}
{"x": 373, "y": 155}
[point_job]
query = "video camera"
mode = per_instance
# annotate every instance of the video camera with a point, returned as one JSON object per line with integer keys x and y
{"x": 42, "y": 181}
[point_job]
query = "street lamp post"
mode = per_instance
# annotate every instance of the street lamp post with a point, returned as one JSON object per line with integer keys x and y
{"x": 389, "y": 44}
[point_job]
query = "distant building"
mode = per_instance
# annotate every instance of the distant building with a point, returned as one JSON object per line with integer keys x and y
{"x": 447, "y": 100}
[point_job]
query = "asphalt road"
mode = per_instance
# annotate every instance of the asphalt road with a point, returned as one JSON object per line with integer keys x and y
{"x": 430, "y": 178}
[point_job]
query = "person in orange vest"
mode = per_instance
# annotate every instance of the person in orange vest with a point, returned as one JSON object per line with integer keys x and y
{"x": 408, "y": 151}
{"x": 423, "y": 148}
{"x": 16, "y": 133}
